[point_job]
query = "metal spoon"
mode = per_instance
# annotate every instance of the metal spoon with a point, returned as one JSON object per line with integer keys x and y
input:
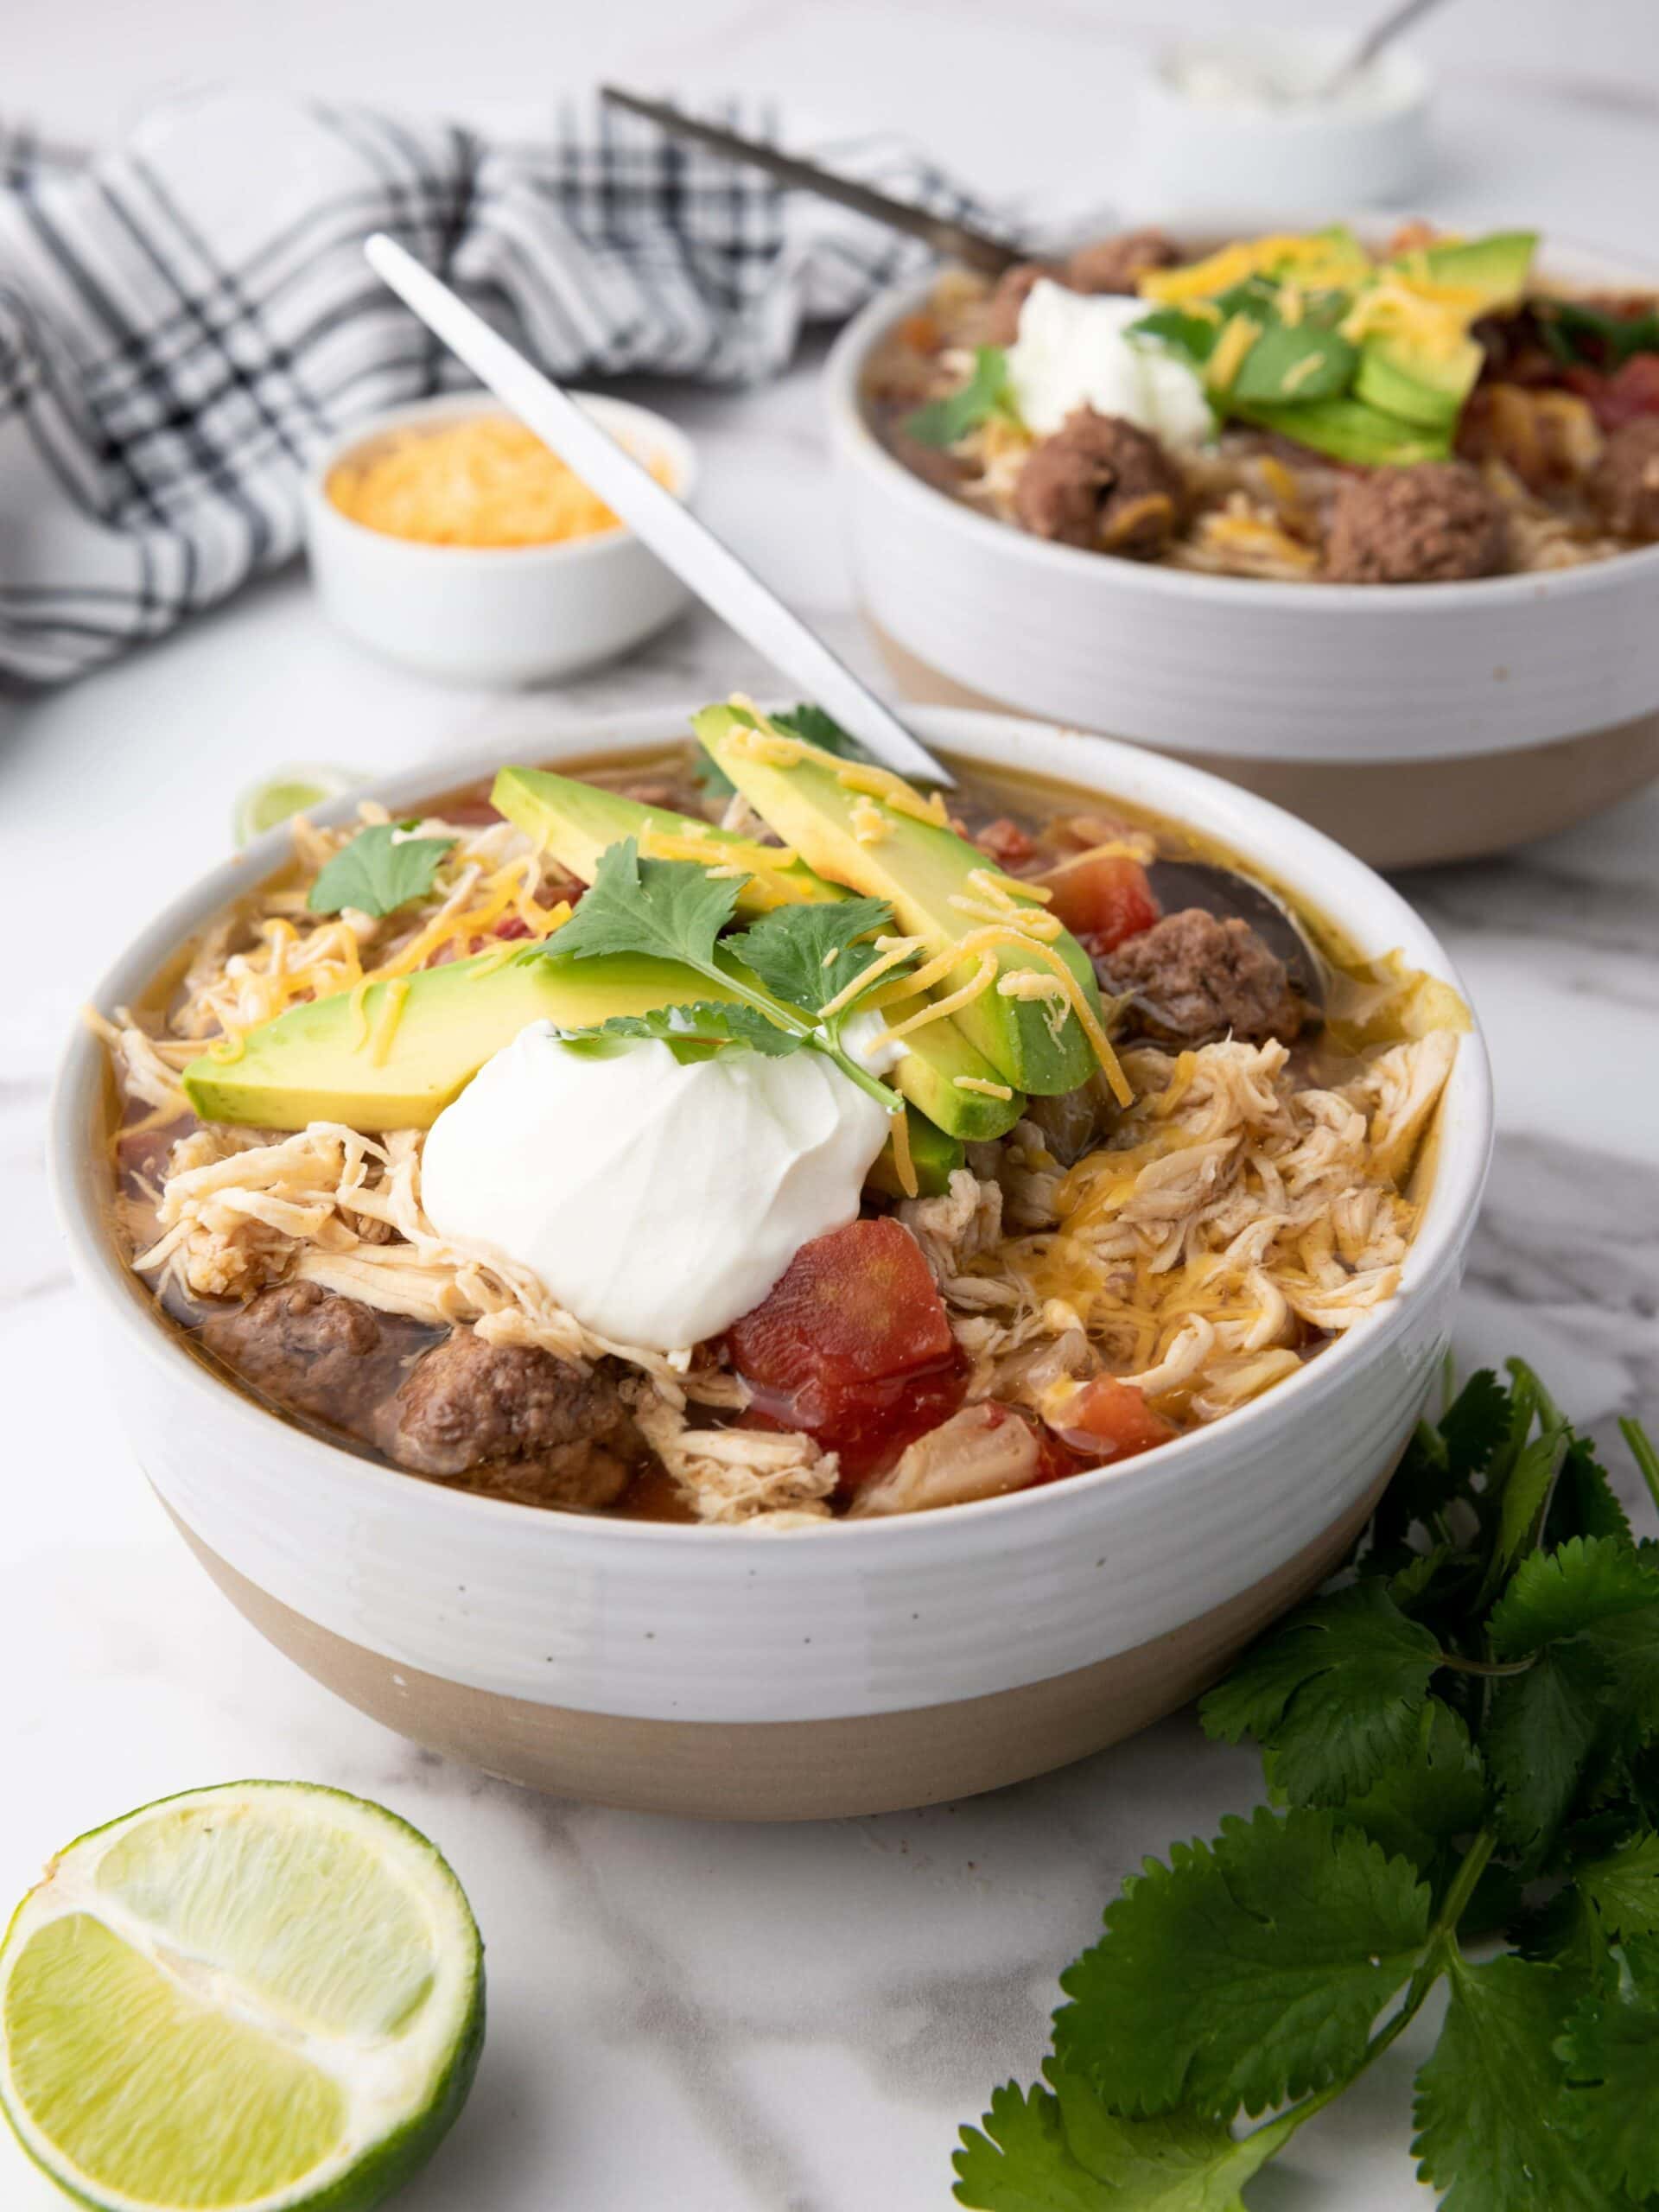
{"x": 1382, "y": 34}
{"x": 956, "y": 241}
{"x": 680, "y": 542}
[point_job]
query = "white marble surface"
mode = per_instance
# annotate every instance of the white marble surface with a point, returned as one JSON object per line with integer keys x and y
{"x": 719, "y": 2019}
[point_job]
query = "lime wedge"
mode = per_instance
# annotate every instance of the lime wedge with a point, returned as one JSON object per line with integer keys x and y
{"x": 290, "y": 790}
{"x": 256, "y": 1998}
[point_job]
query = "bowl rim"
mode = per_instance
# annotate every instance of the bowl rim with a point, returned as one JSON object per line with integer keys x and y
{"x": 1237, "y": 817}
{"x": 321, "y": 513}
{"x": 857, "y": 445}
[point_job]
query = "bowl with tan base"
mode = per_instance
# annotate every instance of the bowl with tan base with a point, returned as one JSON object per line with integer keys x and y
{"x": 1412, "y": 722}
{"x": 852, "y": 1666}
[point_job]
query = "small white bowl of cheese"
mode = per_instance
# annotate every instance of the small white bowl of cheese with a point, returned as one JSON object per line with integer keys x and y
{"x": 444, "y": 536}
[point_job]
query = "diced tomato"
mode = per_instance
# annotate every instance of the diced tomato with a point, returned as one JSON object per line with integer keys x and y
{"x": 1110, "y": 1420}
{"x": 1103, "y": 897}
{"x": 514, "y": 926}
{"x": 1007, "y": 843}
{"x": 852, "y": 1344}
{"x": 1622, "y": 396}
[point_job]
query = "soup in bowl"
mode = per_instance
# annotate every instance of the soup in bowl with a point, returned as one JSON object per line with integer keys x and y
{"x": 1365, "y": 521}
{"x": 650, "y": 1269}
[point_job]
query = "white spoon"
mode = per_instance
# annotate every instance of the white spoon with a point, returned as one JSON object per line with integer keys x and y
{"x": 680, "y": 542}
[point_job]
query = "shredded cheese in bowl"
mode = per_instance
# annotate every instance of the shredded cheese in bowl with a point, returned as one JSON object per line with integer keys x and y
{"x": 482, "y": 481}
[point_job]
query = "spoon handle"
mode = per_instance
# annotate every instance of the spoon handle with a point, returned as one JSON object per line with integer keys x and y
{"x": 956, "y": 241}
{"x": 1382, "y": 33}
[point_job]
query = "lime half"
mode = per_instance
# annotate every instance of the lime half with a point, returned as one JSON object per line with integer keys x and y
{"x": 266, "y": 1995}
{"x": 289, "y": 792}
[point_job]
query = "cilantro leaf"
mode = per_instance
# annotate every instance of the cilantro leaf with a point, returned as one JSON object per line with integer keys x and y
{"x": 1334, "y": 1696}
{"x": 1064, "y": 2150}
{"x": 1610, "y": 2052}
{"x": 1584, "y": 1504}
{"x": 986, "y": 392}
{"x": 1624, "y": 1886}
{"x": 807, "y": 953}
{"x": 1245, "y": 1972}
{"x": 1021, "y": 2163}
{"x": 380, "y": 870}
{"x": 1588, "y": 1583}
{"x": 1542, "y": 1733}
{"x": 1474, "y": 1424}
{"x": 705, "y": 1022}
{"x": 1181, "y": 2162}
{"x": 1576, "y": 332}
{"x": 672, "y": 910}
{"x": 1417, "y": 1804}
{"x": 822, "y": 729}
{"x": 1492, "y": 2101}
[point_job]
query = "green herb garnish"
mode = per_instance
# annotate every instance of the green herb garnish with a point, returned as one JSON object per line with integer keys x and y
{"x": 1463, "y": 1739}
{"x": 381, "y": 869}
{"x": 1578, "y": 334}
{"x": 696, "y": 1031}
{"x": 783, "y": 971}
{"x": 803, "y": 721}
{"x": 986, "y": 392}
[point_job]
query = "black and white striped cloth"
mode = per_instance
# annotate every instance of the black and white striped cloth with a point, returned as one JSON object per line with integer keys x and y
{"x": 182, "y": 321}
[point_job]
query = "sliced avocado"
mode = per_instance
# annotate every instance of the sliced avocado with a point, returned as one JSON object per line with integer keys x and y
{"x": 575, "y": 821}
{"x": 379, "y": 1068}
{"x": 935, "y": 1157}
{"x": 1497, "y": 268}
{"x": 920, "y": 868}
{"x": 1348, "y": 429}
{"x": 1415, "y": 385}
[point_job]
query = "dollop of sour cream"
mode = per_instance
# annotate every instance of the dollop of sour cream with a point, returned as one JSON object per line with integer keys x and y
{"x": 658, "y": 1200}
{"x": 1071, "y": 351}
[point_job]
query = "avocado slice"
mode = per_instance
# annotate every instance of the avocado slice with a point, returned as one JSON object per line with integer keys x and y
{"x": 1427, "y": 385}
{"x": 1349, "y": 430}
{"x": 575, "y": 821}
{"x": 1497, "y": 267}
{"x": 378, "y": 1068}
{"x": 934, "y": 1155}
{"x": 920, "y": 868}
{"x": 1420, "y": 388}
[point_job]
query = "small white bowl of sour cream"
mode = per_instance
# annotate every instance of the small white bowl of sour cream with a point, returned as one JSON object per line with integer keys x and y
{"x": 504, "y": 615}
{"x": 1244, "y": 118}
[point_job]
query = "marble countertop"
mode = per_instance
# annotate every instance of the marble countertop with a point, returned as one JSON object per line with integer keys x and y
{"x": 723, "y": 2020}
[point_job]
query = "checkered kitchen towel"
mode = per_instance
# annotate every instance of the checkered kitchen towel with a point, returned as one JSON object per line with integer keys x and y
{"x": 184, "y": 321}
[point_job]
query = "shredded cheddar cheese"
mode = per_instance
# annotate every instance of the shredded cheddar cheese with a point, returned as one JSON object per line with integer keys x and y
{"x": 483, "y": 480}
{"x": 981, "y": 1087}
{"x": 869, "y": 824}
{"x": 1235, "y": 342}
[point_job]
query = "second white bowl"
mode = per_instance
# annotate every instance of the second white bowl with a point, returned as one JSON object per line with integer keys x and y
{"x": 507, "y": 615}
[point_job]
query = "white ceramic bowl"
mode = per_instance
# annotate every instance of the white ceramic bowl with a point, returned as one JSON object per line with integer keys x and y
{"x": 1518, "y": 702}
{"x": 1285, "y": 158}
{"x": 505, "y": 615}
{"x": 839, "y": 1669}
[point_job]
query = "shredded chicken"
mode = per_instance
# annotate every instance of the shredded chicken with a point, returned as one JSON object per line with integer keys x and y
{"x": 749, "y": 1475}
{"x": 1232, "y": 1216}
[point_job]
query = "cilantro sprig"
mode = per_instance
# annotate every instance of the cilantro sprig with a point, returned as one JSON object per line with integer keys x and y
{"x": 381, "y": 869}
{"x": 988, "y": 392}
{"x": 783, "y": 971}
{"x": 1460, "y": 1741}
